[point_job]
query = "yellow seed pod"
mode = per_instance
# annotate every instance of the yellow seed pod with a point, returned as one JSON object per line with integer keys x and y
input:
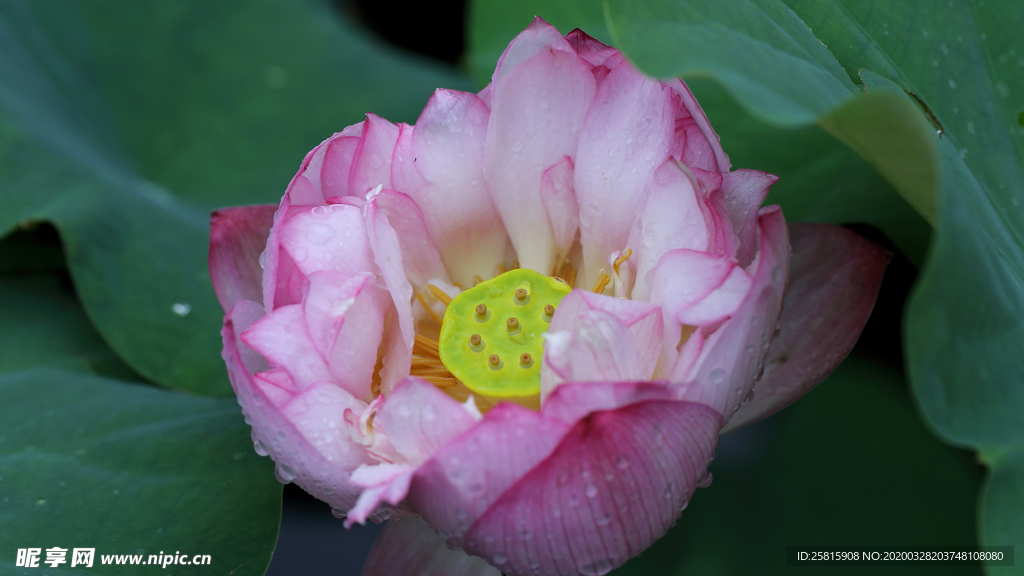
{"x": 492, "y": 335}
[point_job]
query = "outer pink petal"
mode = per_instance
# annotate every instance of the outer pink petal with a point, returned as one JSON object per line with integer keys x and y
{"x": 464, "y": 478}
{"x": 732, "y": 356}
{"x": 419, "y": 419}
{"x": 317, "y": 458}
{"x": 238, "y": 236}
{"x": 420, "y": 258}
{"x": 440, "y": 164}
{"x": 672, "y": 217}
{"x": 539, "y": 94}
{"x": 371, "y": 162}
{"x": 410, "y": 548}
{"x": 626, "y": 136}
{"x": 698, "y": 142}
{"x": 615, "y": 484}
{"x": 745, "y": 191}
{"x": 833, "y": 282}
{"x": 387, "y": 254}
{"x": 345, "y": 320}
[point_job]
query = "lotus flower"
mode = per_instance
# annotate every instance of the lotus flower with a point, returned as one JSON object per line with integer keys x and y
{"x": 518, "y": 327}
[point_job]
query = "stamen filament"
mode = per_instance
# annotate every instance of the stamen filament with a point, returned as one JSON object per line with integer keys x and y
{"x": 439, "y": 294}
{"x": 426, "y": 361}
{"x": 602, "y": 282}
{"x": 428, "y": 343}
{"x": 441, "y": 382}
{"x": 622, "y": 258}
{"x": 429, "y": 309}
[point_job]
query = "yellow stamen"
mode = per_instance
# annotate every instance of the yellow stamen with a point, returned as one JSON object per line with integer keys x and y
{"x": 439, "y": 372}
{"x": 429, "y": 309}
{"x": 428, "y": 343}
{"x": 441, "y": 382}
{"x": 477, "y": 279}
{"x": 439, "y": 294}
{"x": 426, "y": 361}
{"x": 622, "y": 258}
{"x": 566, "y": 273}
{"x": 602, "y": 282}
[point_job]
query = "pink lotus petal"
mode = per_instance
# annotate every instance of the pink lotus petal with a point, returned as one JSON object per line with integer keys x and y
{"x": 626, "y": 136}
{"x": 593, "y": 51}
{"x": 637, "y": 348}
{"x": 598, "y": 348}
{"x": 302, "y": 192}
{"x": 371, "y": 161}
{"x": 380, "y": 483}
{"x": 466, "y": 476}
{"x": 273, "y": 261}
{"x": 745, "y": 191}
{"x": 410, "y": 548}
{"x": 316, "y": 458}
{"x": 539, "y": 95}
{"x": 559, "y": 197}
{"x": 238, "y": 236}
{"x": 732, "y": 355}
{"x": 695, "y": 133}
{"x": 283, "y": 338}
{"x": 440, "y": 164}
{"x": 698, "y": 289}
{"x": 672, "y": 217}
{"x": 327, "y": 238}
{"x": 420, "y": 258}
{"x": 615, "y": 484}
{"x": 419, "y": 419}
{"x": 338, "y": 165}
{"x": 345, "y": 320}
{"x": 834, "y": 279}
{"x": 387, "y": 254}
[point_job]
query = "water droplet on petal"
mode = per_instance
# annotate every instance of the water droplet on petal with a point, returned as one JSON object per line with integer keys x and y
{"x": 284, "y": 474}
{"x": 591, "y": 491}
{"x": 260, "y": 448}
{"x": 716, "y": 376}
{"x": 499, "y": 558}
{"x": 705, "y": 481}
